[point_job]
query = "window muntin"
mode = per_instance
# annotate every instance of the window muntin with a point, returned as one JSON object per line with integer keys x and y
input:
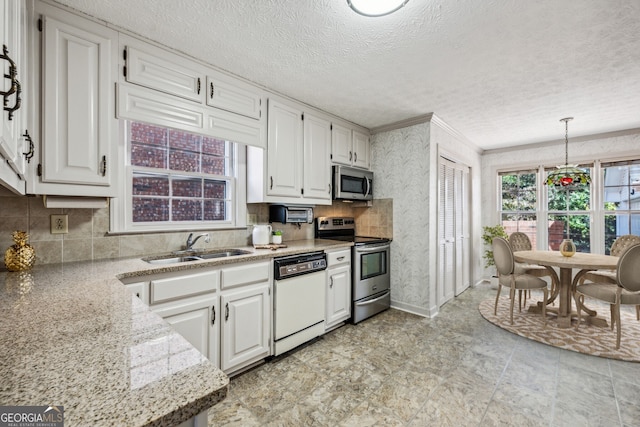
{"x": 177, "y": 177}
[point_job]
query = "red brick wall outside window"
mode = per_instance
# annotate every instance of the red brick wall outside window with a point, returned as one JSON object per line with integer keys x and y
{"x": 178, "y": 176}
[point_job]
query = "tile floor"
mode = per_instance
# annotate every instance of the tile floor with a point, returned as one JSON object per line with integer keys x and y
{"x": 398, "y": 369}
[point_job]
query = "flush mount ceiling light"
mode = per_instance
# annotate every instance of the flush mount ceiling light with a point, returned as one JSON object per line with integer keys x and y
{"x": 567, "y": 176}
{"x": 376, "y": 7}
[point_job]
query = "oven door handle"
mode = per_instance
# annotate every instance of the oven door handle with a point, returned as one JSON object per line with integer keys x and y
{"x": 359, "y": 304}
{"x": 372, "y": 248}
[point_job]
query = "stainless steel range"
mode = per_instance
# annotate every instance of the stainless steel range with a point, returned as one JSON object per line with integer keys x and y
{"x": 370, "y": 256}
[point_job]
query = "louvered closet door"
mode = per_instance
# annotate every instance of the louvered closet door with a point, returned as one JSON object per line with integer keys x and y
{"x": 453, "y": 222}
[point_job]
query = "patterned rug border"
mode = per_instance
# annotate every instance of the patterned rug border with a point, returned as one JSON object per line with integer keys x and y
{"x": 591, "y": 340}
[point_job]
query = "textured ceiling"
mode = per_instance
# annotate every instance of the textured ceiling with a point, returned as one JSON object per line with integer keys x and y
{"x": 501, "y": 72}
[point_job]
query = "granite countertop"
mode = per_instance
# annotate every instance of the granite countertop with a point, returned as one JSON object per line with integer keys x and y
{"x": 72, "y": 335}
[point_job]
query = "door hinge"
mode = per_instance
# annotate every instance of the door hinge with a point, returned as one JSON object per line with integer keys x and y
{"x": 124, "y": 71}
{"x": 40, "y": 24}
{"x": 331, "y": 156}
{"x": 302, "y": 116}
{"x": 124, "y": 54}
{"x": 302, "y": 191}
{"x": 39, "y": 169}
{"x": 331, "y": 126}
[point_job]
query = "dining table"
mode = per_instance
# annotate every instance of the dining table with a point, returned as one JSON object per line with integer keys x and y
{"x": 566, "y": 282}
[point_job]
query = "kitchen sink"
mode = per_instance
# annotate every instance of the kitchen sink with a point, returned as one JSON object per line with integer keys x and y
{"x": 195, "y": 256}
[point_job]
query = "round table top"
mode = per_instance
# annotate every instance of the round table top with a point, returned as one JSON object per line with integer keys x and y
{"x": 578, "y": 260}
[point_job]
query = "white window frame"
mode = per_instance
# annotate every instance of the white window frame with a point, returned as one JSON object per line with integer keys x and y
{"x": 121, "y": 207}
{"x": 596, "y": 208}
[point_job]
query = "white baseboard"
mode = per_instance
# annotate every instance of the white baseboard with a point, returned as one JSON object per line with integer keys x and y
{"x": 410, "y": 308}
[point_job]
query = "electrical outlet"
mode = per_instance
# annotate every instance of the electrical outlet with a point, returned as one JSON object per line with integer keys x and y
{"x": 59, "y": 224}
{"x": 252, "y": 218}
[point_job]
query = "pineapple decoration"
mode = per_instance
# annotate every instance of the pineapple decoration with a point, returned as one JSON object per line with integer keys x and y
{"x": 21, "y": 255}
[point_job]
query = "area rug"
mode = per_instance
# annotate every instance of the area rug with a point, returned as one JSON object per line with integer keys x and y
{"x": 588, "y": 339}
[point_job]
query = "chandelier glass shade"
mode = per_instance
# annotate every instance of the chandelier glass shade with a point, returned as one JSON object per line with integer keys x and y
{"x": 568, "y": 177}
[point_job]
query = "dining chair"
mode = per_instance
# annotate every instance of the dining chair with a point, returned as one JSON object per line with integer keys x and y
{"x": 507, "y": 276}
{"x": 619, "y": 246}
{"x": 626, "y": 290}
{"x": 519, "y": 241}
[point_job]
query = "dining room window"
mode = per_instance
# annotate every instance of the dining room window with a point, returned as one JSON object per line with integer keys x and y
{"x": 570, "y": 215}
{"x": 621, "y": 200}
{"x": 518, "y": 208}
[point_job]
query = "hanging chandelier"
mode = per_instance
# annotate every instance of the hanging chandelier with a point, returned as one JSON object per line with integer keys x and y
{"x": 568, "y": 177}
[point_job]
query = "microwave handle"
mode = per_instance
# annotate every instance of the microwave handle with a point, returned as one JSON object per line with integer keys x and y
{"x": 368, "y": 190}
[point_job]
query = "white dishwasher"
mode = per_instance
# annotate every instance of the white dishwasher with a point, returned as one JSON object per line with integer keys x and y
{"x": 298, "y": 299}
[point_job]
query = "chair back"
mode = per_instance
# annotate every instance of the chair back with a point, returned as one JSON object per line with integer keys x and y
{"x": 519, "y": 242}
{"x": 502, "y": 256}
{"x": 623, "y": 243}
{"x": 629, "y": 269}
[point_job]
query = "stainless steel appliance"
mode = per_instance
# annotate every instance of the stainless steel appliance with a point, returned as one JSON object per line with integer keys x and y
{"x": 290, "y": 214}
{"x": 370, "y": 258}
{"x": 352, "y": 184}
{"x": 298, "y": 299}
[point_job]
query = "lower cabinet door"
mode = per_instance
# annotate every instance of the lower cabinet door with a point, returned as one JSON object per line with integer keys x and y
{"x": 197, "y": 321}
{"x": 245, "y": 326}
{"x": 338, "y": 295}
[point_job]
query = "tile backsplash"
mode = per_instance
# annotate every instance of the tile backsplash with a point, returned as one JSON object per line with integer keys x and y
{"x": 88, "y": 239}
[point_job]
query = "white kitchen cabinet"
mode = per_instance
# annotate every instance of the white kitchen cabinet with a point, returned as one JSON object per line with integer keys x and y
{"x": 338, "y": 304}
{"x": 361, "y": 149}
{"x": 246, "y": 310}
{"x": 245, "y": 327}
{"x": 158, "y": 69}
{"x": 79, "y": 131}
{"x": 349, "y": 146}
{"x": 196, "y": 320}
{"x": 233, "y": 95}
{"x": 189, "y": 301}
{"x": 12, "y": 147}
{"x": 317, "y": 155}
{"x": 297, "y": 165}
{"x": 140, "y": 290}
{"x": 284, "y": 150}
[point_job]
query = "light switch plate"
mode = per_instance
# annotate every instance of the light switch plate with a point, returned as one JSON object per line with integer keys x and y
{"x": 59, "y": 224}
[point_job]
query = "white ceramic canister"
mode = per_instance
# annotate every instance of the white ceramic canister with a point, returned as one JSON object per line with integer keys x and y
{"x": 261, "y": 234}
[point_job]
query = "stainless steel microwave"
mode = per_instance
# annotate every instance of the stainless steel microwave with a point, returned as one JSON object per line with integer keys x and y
{"x": 352, "y": 184}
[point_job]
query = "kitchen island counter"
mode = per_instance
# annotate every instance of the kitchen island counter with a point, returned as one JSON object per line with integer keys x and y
{"x": 73, "y": 335}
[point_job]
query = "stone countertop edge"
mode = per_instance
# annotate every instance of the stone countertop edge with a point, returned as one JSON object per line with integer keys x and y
{"x": 72, "y": 335}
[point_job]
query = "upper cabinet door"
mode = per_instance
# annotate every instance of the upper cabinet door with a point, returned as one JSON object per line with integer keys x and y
{"x": 164, "y": 72}
{"x": 284, "y": 153}
{"x": 78, "y": 132}
{"x": 360, "y": 150}
{"x": 341, "y": 151}
{"x": 317, "y": 157}
{"x": 11, "y": 122}
{"x": 233, "y": 95}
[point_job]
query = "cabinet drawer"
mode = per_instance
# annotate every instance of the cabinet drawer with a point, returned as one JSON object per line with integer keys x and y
{"x": 245, "y": 274}
{"x": 184, "y": 286}
{"x": 338, "y": 257}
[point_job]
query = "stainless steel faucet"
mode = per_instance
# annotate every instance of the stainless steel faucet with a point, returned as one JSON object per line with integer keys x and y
{"x": 191, "y": 241}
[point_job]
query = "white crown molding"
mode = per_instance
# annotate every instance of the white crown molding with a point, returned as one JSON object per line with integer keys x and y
{"x": 402, "y": 124}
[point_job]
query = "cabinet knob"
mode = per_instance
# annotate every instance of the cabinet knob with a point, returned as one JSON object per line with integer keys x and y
{"x": 103, "y": 166}
{"x": 198, "y": 85}
{"x": 350, "y": 155}
{"x": 329, "y": 188}
{"x": 355, "y": 157}
{"x": 211, "y": 90}
{"x": 340, "y": 258}
{"x": 271, "y": 183}
{"x": 226, "y": 315}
